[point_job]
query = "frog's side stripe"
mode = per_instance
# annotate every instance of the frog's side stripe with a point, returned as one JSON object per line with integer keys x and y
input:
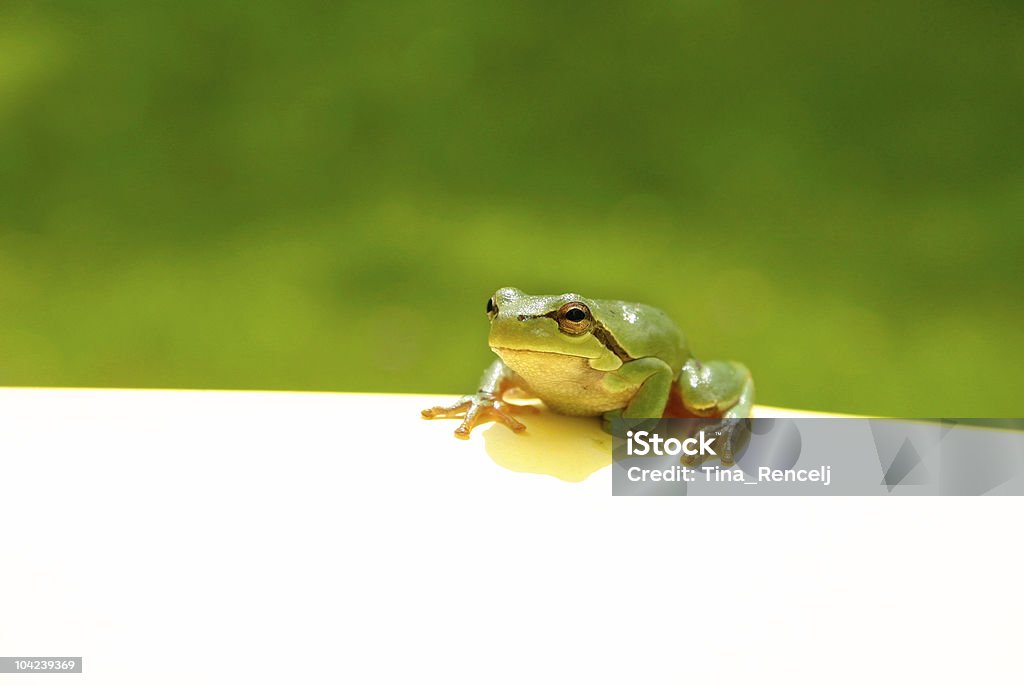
{"x": 602, "y": 334}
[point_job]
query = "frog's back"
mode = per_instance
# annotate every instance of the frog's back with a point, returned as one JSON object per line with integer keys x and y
{"x": 649, "y": 331}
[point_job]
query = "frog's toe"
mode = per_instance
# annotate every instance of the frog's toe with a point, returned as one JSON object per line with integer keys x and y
{"x": 506, "y": 418}
{"x": 478, "y": 413}
{"x": 471, "y": 419}
{"x": 456, "y": 408}
{"x": 690, "y": 460}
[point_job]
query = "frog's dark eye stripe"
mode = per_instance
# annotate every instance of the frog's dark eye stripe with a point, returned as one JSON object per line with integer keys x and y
{"x": 608, "y": 340}
{"x": 575, "y": 319}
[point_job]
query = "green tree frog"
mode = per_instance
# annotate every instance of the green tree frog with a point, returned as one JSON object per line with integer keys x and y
{"x": 604, "y": 358}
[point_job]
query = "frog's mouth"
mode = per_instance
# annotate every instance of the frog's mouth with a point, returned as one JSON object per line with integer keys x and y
{"x": 502, "y": 351}
{"x": 608, "y": 346}
{"x": 529, "y": 361}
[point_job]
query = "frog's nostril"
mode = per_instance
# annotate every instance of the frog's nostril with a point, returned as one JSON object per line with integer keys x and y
{"x": 521, "y": 317}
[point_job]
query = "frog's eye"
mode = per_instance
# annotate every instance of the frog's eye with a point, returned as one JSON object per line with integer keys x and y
{"x": 574, "y": 318}
{"x": 492, "y": 309}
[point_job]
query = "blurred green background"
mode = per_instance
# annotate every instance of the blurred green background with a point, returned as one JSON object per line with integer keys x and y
{"x": 322, "y": 196}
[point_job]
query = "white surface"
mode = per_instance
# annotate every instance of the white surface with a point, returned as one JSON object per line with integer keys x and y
{"x": 258, "y": 538}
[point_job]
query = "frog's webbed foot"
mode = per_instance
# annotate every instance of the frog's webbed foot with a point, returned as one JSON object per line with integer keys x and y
{"x": 731, "y": 437}
{"x": 479, "y": 408}
{"x": 728, "y": 435}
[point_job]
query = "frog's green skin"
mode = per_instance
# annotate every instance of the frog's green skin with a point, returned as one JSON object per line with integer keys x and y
{"x": 596, "y": 357}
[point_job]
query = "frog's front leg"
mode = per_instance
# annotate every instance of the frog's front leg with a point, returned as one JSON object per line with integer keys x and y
{"x": 651, "y": 377}
{"x": 485, "y": 404}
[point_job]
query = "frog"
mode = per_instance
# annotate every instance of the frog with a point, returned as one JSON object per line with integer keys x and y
{"x": 603, "y": 358}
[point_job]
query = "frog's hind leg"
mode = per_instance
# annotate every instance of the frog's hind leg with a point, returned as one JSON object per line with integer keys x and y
{"x": 719, "y": 391}
{"x": 715, "y": 389}
{"x": 744, "y": 402}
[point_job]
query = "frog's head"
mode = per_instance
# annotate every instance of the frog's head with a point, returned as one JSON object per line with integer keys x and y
{"x": 566, "y": 324}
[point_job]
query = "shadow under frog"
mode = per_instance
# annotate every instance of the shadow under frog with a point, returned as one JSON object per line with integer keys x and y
{"x": 569, "y": 448}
